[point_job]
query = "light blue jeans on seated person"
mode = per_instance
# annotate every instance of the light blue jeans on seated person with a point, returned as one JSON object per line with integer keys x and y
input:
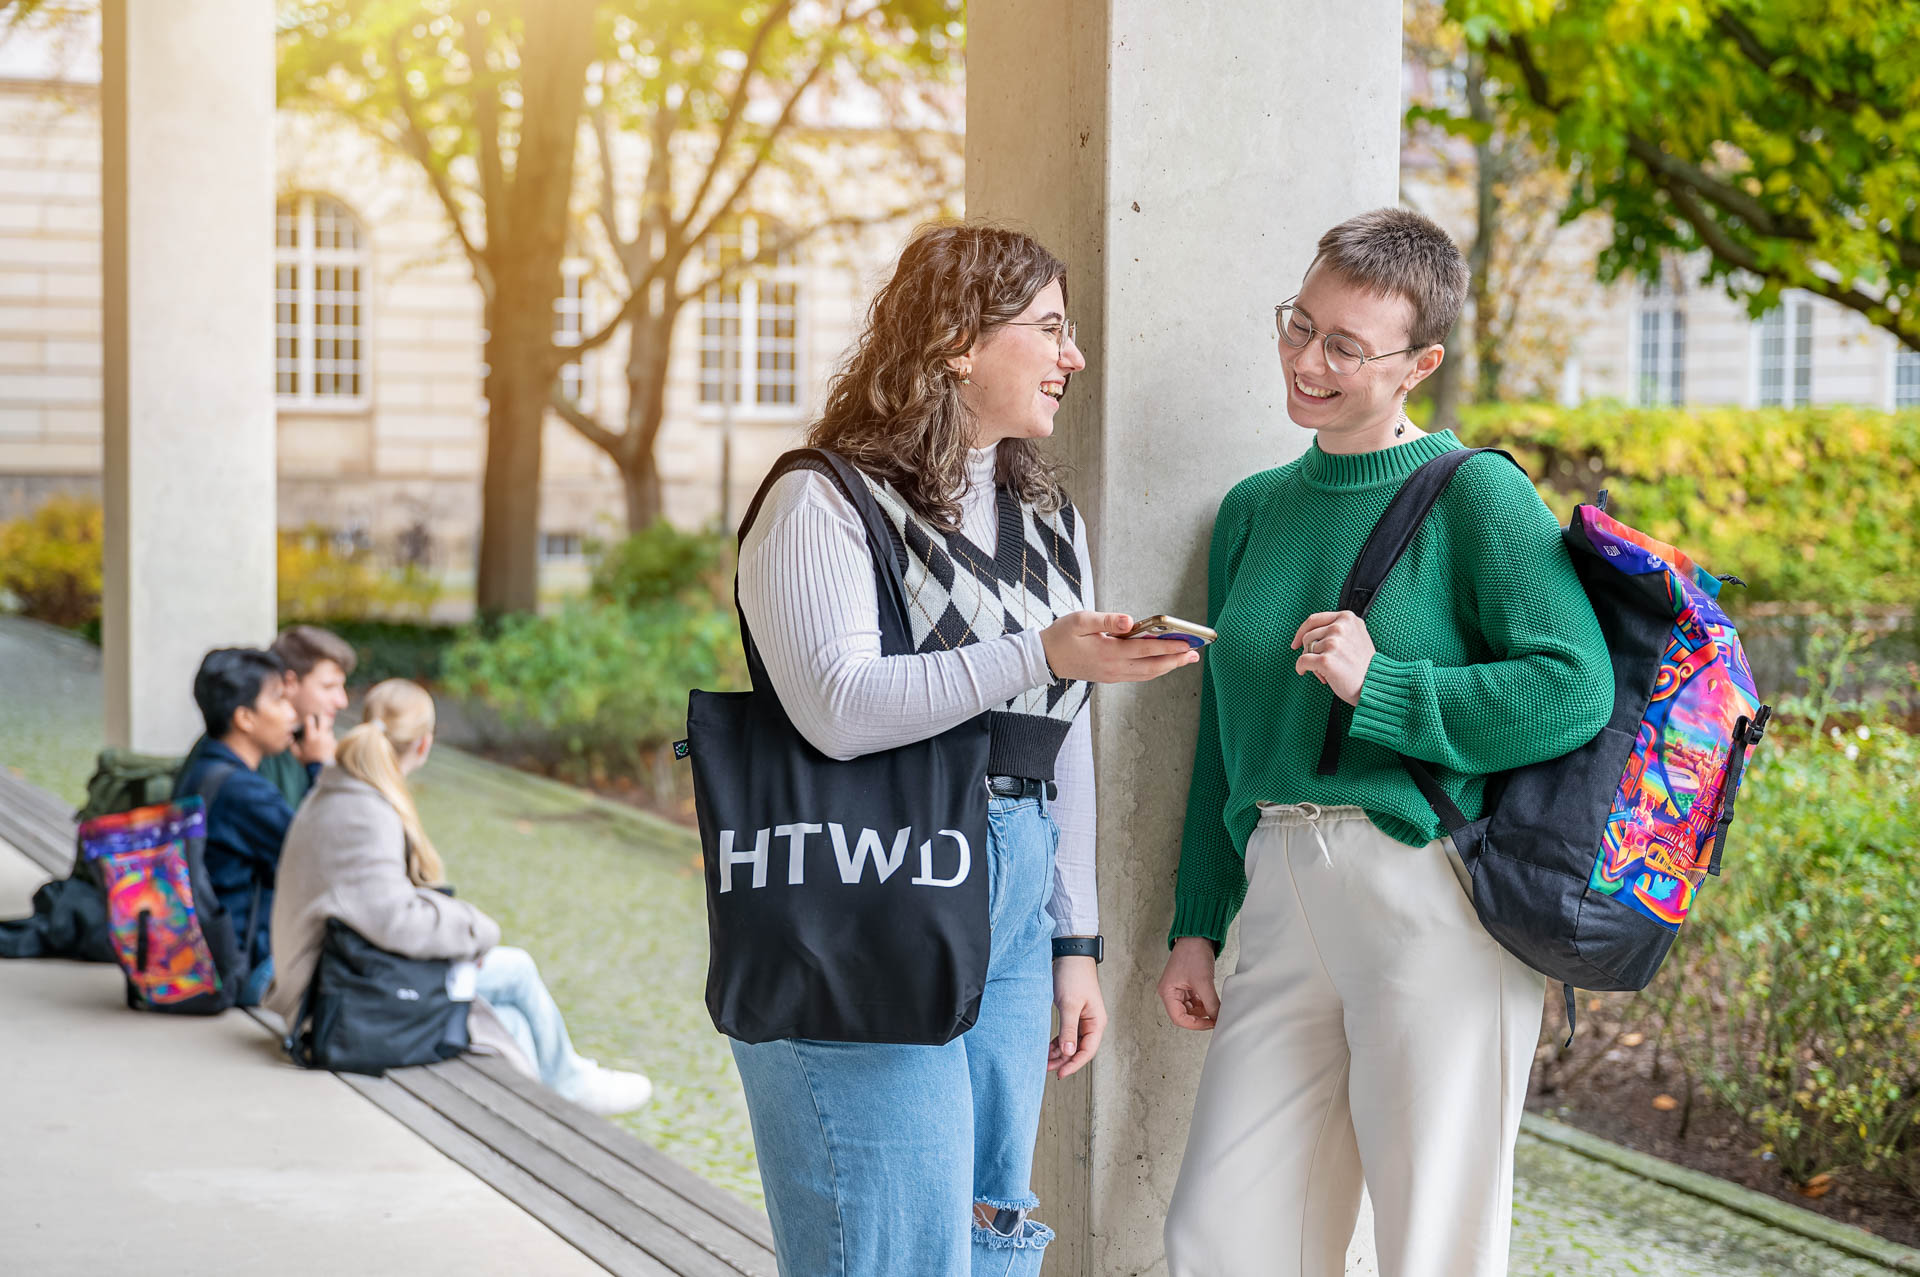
{"x": 873, "y": 1156}
{"x": 510, "y": 983}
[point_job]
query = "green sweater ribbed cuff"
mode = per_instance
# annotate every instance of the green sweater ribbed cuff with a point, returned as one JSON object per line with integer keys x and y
{"x": 1205, "y": 916}
{"x": 1384, "y": 714}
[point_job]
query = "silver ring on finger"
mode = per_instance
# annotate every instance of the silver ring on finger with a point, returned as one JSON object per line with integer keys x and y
{"x": 1314, "y": 647}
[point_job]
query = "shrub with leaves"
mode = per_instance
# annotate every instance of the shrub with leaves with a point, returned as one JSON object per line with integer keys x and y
{"x": 663, "y": 563}
{"x": 51, "y": 562}
{"x": 597, "y": 687}
{"x": 1812, "y": 506}
{"x": 320, "y": 578}
{"x": 1797, "y": 984}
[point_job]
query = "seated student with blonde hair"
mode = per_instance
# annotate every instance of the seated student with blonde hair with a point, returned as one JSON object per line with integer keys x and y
{"x": 357, "y": 852}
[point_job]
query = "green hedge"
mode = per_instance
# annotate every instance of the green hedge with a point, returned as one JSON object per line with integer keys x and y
{"x": 1813, "y": 506}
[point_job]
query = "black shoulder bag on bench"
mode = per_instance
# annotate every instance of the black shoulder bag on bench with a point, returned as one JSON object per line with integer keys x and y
{"x": 846, "y": 901}
{"x": 370, "y": 1009}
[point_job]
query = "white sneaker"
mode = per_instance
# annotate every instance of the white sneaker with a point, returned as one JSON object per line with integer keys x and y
{"x": 605, "y": 1092}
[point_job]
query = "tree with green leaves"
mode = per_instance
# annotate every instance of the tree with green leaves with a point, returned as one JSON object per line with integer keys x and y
{"x": 494, "y": 99}
{"x": 1776, "y": 137}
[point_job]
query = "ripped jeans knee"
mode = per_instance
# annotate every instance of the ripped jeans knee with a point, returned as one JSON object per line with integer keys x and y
{"x": 1006, "y": 1243}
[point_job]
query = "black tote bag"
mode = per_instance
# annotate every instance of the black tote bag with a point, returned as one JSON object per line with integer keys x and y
{"x": 846, "y": 901}
{"x": 370, "y": 1009}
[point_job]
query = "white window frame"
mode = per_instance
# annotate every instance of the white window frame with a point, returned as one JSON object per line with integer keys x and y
{"x": 1661, "y": 315}
{"x": 1794, "y": 315}
{"x": 747, "y": 302}
{"x": 571, "y": 311}
{"x": 1911, "y": 360}
{"x": 305, "y": 259}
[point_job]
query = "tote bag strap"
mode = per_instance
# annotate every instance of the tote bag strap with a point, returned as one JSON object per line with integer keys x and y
{"x": 896, "y": 638}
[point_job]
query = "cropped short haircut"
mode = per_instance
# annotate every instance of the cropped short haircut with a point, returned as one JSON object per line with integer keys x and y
{"x": 229, "y": 678}
{"x": 1395, "y": 252}
{"x": 301, "y": 647}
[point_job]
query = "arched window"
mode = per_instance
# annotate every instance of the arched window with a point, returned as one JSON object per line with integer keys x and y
{"x": 750, "y": 323}
{"x": 319, "y": 303}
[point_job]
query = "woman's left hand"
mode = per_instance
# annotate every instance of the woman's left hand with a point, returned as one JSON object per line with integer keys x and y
{"x": 1335, "y": 648}
{"x": 1083, "y": 1014}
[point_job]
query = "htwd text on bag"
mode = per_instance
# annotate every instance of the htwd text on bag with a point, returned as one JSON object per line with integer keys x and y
{"x": 1586, "y": 865}
{"x": 846, "y": 901}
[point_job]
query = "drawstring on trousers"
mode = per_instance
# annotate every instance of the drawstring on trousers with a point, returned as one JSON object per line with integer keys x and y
{"x": 1310, "y": 812}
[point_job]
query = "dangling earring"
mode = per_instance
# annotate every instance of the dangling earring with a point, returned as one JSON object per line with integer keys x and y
{"x": 1401, "y": 428}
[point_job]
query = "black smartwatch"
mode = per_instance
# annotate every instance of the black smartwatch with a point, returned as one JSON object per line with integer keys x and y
{"x": 1094, "y": 947}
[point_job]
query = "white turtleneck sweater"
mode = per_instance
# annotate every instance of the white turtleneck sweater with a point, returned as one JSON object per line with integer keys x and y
{"x": 806, "y": 588}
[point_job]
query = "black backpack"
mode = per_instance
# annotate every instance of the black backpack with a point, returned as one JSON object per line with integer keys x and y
{"x": 1584, "y": 866}
{"x": 369, "y": 1009}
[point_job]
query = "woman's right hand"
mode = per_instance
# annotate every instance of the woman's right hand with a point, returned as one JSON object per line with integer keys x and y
{"x": 1186, "y": 986}
{"x": 1082, "y": 646}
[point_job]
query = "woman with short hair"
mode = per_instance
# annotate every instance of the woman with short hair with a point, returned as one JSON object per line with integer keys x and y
{"x": 357, "y": 851}
{"x": 883, "y": 1160}
{"x": 1372, "y": 1031}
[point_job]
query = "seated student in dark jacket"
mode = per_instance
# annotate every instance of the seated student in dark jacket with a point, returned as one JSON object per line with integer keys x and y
{"x": 242, "y": 695}
{"x": 317, "y": 663}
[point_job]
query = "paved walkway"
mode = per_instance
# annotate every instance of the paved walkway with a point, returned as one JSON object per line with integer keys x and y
{"x": 187, "y": 1147}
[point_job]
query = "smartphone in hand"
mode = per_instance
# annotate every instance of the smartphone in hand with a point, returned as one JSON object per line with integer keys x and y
{"x": 1172, "y": 627}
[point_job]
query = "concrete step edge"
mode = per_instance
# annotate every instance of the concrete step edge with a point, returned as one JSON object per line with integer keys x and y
{"x": 1734, "y": 1197}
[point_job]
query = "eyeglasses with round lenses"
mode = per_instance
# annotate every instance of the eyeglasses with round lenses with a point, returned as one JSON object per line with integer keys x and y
{"x": 1061, "y": 330}
{"x": 1345, "y": 356}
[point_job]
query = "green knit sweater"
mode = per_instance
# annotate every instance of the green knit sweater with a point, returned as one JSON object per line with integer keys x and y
{"x": 1488, "y": 656}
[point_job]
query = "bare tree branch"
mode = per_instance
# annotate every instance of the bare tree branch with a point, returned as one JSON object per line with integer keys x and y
{"x": 605, "y": 207}
{"x": 570, "y": 410}
{"x": 737, "y": 103}
{"x": 764, "y": 149}
{"x": 416, "y": 143}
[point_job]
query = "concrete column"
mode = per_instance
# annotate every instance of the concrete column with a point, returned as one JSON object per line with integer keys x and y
{"x": 1183, "y": 157}
{"x": 186, "y": 103}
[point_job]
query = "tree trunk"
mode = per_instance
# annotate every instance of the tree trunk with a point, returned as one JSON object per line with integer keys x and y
{"x": 1444, "y": 386}
{"x": 1486, "y": 225}
{"x": 508, "y": 578}
{"x": 640, "y": 480}
{"x": 528, "y": 217}
{"x": 648, "y": 350}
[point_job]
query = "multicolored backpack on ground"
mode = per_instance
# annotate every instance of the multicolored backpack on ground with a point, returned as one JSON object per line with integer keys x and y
{"x": 1585, "y": 866}
{"x": 170, "y": 934}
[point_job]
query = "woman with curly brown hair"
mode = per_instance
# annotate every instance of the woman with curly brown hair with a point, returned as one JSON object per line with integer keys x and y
{"x": 879, "y": 1159}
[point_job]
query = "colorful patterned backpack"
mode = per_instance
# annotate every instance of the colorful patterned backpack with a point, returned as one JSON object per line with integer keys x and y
{"x": 1585, "y": 866}
{"x": 170, "y": 934}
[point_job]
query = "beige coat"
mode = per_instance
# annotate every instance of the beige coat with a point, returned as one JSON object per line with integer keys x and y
{"x": 345, "y": 857}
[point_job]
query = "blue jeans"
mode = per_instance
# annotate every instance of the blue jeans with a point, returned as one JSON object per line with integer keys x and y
{"x": 510, "y": 983}
{"x": 873, "y": 1155}
{"x": 257, "y": 981}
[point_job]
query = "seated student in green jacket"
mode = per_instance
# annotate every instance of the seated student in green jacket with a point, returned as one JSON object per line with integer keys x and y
{"x": 318, "y": 664}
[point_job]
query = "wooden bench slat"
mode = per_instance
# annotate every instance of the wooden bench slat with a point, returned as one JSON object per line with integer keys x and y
{"x": 638, "y": 1225}
{"x": 745, "y": 1252}
{"x": 628, "y": 1148}
{"x": 579, "y": 1228}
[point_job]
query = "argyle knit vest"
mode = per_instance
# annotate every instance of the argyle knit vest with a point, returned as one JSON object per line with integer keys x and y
{"x": 958, "y": 594}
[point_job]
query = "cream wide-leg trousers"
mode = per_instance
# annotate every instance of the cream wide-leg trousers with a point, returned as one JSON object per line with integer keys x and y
{"x": 1372, "y": 1033}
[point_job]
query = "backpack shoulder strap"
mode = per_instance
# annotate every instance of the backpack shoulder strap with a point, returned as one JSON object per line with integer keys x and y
{"x": 1399, "y": 523}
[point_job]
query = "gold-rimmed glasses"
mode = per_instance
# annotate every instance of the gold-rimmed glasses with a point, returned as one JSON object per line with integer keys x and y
{"x": 1345, "y": 355}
